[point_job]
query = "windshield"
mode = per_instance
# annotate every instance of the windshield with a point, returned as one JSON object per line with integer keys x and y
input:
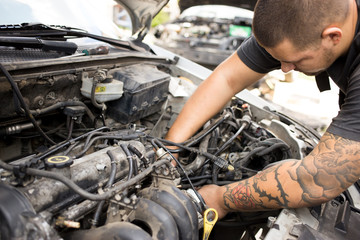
{"x": 94, "y": 16}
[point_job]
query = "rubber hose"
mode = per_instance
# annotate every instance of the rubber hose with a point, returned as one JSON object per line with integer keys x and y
{"x": 130, "y": 160}
{"x": 162, "y": 225}
{"x": 200, "y": 159}
{"x": 179, "y": 206}
{"x": 108, "y": 184}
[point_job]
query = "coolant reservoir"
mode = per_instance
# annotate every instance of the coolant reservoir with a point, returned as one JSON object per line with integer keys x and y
{"x": 108, "y": 90}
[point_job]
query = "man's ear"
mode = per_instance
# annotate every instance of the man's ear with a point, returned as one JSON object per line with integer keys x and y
{"x": 333, "y": 34}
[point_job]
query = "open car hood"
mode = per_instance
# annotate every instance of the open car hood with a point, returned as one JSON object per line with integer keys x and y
{"x": 142, "y": 12}
{"x": 247, "y": 4}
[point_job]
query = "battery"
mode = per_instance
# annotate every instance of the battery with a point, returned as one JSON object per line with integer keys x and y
{"x": 145, "y": 89}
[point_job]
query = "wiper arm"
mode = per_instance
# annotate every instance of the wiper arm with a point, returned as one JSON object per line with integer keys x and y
{"x": 33, "y": 42}
{"x": 50, "y": 31}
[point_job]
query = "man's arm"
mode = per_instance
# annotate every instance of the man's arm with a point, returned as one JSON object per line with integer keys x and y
{"x": 229, "y": 78}
{"x": 325, "y": 173}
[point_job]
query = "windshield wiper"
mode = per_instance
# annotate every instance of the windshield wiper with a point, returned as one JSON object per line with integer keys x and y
{"x": 56, "y": 31}
{"x": 33, "y": 42}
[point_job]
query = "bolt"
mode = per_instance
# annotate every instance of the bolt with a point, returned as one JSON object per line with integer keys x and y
{"x": 270, "y": 222}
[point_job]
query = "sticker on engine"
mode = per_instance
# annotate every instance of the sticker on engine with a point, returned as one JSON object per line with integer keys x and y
{"x": 100, "y": 89}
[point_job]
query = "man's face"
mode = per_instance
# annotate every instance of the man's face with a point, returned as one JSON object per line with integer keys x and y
{"x": 310, "y": 61}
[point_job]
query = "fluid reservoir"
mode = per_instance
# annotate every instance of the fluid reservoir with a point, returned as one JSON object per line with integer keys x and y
{"x": 108, "y": 90}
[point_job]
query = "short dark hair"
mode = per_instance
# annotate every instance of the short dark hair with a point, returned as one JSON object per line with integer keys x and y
{"x": 300, "y": 21}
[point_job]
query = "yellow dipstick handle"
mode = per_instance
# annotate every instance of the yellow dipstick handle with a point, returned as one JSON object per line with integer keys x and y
{"x": 210, "y": 218}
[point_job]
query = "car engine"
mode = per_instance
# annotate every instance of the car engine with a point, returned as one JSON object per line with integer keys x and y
{"x": 83, "y": 154}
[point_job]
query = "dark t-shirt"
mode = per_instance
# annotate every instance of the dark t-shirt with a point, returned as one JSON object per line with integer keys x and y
{"x": 345, "y": 72}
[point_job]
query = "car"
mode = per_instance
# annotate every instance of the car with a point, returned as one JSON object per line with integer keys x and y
{"x": 206, "y": 34}
{"x": 83, "y": 152}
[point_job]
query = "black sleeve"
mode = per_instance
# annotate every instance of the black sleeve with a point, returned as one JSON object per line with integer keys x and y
{"x": 256, "y": 57}
{"x": 347, "y": 123}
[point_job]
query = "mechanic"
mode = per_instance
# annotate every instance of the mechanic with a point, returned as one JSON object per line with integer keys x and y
{"x": 315, "y": 37}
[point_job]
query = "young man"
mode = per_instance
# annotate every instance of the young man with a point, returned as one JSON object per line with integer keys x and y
{"x": 316, "y": 37}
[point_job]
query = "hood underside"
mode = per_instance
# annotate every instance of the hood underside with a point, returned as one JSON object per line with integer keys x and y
{"x": 143, "y": 11}
{"x": 247, "y": 4}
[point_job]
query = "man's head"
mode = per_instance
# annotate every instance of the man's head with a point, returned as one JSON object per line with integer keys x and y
{"x": 305, "y": 35}
{"x": 300, "y": 21}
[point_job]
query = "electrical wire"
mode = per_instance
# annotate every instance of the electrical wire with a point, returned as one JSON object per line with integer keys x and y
{"x": 183, "y": 170}
{"x": 24, "y": 105}
{"x": 73, "y": 186}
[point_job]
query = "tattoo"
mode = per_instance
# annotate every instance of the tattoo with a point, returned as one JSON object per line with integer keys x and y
{"x": 333, "y": 165}
{"x": 242, "y": 195}
{"x": 327, "y": 171}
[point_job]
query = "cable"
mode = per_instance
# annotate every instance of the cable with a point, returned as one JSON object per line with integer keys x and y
{"x": 23, "y": 104}
{"x": 129, "y": 158}
{"x": 139, "y": 155}
{"x": 183, "y": 170}
{"x": 108, "y": 184}
{"x": 108, "y": 136}
{"x": 94, "y": 197}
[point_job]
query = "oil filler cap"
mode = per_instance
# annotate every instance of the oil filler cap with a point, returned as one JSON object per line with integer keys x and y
{"x": 58, "y": 161}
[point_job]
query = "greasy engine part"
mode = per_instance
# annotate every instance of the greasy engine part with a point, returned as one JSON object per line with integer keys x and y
{"x": 178, "y": 205}
{"x": 117, "y": 230}
{"x": 98, "y": 177}
{"x": 159, "y": 221}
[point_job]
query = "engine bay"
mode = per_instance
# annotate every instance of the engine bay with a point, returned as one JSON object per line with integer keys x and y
{"x": 83, "y": 155}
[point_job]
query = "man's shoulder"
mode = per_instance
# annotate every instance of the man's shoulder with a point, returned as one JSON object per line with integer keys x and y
{"x": 256, "y": 57}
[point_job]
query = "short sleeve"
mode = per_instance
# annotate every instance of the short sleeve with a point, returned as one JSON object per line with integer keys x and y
{"x": 347, "y": 123}
{"x": 256, "y": 57}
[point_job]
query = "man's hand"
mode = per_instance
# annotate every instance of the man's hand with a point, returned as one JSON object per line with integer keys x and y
{"x": 212, "y": 197}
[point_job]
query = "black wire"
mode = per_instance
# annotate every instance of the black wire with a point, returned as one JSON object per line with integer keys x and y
{"x": 130, "y": 160}
{"x": 139, "y": 155}
{"x": 124, "y": 136}
{"x": 73, "y": 186}
{"x": 61, "y": 145}
{"x": 24, "y": 105}
{"x": 108, "y": 184}
{"x": 71, "y": 128}
{"x": 183, "y": 170}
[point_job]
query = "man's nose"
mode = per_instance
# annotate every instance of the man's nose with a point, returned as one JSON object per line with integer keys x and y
{"x": 287, "y": 67}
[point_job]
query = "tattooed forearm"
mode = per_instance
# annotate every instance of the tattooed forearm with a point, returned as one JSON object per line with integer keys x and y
{"x": 330, "y": 168}
{"x": 246, "y": 195}
{"x": 240, "y": 197}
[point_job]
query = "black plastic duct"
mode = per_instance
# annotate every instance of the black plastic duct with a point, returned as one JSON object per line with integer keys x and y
{"x": 13, "y": 205}
{"x": 179, "y": 206}
{"x": 154, "y": 219}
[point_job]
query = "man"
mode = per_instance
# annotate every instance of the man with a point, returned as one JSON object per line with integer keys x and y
{"x": 316, "y": 37}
